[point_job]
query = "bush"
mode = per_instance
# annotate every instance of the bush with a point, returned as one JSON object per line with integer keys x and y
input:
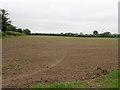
{"x": 0, "y": 34}
{"x": 11, "y": 33}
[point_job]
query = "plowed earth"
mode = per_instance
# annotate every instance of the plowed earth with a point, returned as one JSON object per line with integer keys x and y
{"x": 31, "y": 60}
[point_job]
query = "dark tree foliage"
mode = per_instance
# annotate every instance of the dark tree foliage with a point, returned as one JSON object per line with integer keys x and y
{"x": 5, "y": 20}
{"x": 95, "y": 32}
{"x": 105, "y": 34}
{"x": 19, "y": 30}
{"x": 6, "y": 25}
{"x": 26, "y": 31}
{"x": 11, "y": 28}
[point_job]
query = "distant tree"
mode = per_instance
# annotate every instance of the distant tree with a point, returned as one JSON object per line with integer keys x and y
{"x": 69, "y": 34}
{"x": 95, "y": 32}
{"x": 26, "y": 31}
{"x": 118, "y": 35}
{"x": 19, "y": 30}
{"x": 61, "y": 33}
{"x": 107, "y": 34}
{"x": 11, "y": 28}
{"x": 81, "y": 33}
{"x": 75, "y": 34}
{"x": 115, "y": 35}
{"x": 5, "y": 20}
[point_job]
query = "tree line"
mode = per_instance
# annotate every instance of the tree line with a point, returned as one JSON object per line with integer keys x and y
{"x": 6, "y": 25}
{"x": 10, "y": 29}
{"x": 95, "y": 34}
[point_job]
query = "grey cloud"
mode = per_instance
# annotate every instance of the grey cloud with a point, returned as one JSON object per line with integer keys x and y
{"x": 64, "y": 15}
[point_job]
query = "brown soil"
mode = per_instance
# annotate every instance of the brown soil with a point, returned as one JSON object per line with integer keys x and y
{"x": 32, "y": 60}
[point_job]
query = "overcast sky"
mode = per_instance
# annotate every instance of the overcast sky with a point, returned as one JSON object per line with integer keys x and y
{"x": 55, "y": 16}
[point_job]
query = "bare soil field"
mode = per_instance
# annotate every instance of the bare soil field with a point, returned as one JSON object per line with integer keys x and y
{"x": 31, "y": 60}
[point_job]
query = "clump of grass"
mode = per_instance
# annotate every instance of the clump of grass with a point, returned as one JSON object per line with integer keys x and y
{"x": 76, "y": 84}
{"x": 105, "y": 81}
{"x": 17, "y": 67}
{"x": 110, "y": 80}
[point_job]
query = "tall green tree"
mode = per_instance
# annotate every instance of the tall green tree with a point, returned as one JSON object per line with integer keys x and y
{"x": 5, "y": 20}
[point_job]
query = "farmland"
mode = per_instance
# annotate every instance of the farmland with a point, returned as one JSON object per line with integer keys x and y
{"x": 30, "y": 60}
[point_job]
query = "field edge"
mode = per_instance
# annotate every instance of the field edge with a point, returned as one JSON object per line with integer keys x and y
{"x": 105, "y": 81}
